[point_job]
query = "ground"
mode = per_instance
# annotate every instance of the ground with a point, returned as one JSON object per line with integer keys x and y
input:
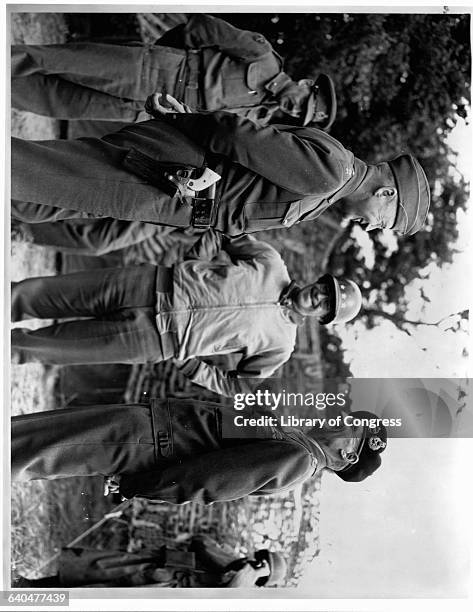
{"x": 44, "y": 515}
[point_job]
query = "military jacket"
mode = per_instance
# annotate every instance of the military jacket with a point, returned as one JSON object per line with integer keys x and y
{"x": 204, "y": 457}
{"x": 239, "y": 70}
{"x": 229, "y": 304}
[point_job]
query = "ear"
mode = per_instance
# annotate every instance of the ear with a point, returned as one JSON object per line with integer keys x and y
{"x": 385, "y": 192}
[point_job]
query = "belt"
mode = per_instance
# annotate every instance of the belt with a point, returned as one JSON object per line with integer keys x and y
{"x": 162, "y": 429}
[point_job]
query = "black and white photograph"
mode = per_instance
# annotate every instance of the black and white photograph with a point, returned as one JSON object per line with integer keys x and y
{"x": 239, "y": 275}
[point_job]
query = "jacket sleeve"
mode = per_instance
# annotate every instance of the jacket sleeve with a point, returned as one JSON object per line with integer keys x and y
{"x": 304, "y": 161}
{"x": 205, "y": 31}
{"x": 240, "y": 380}
{"x": 263, "y": 468}
{"x": 207, "y": 246}
{"x": 243, "y": 248}
{"x": 248, "y": 248}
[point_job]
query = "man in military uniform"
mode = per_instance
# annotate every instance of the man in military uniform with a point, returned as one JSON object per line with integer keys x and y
{"x": 166, "y": 171}
{"x": 228, "y": 296}
{"x": 206, "y": 62}
{"x": 203, "y": 564}
{"x": 178, "y": 451}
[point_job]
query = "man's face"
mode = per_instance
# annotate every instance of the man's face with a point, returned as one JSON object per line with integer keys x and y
{"x": 313, "y": 300}
{"x": 293, "y": 99}
{"x": 344, "y": 446}
{"x": 376, "y": 211}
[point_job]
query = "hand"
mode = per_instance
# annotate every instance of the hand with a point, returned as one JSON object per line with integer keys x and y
{"x": 156, "y": 105}
{"x": 111, "y": 484}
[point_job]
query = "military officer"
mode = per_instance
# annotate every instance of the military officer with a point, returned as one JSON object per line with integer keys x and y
{"x": 178, "y": 451}
{"x": 166, "y": 171}
{"x": 228, "y": 296}
{"x": 207, "y": 63}
{"x": 203, "y": 564}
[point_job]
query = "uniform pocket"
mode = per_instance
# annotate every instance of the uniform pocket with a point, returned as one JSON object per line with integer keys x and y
{"x": 262, "y": 216}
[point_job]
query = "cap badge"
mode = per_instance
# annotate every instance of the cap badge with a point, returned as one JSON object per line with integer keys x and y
{"x": 375, "y": 443}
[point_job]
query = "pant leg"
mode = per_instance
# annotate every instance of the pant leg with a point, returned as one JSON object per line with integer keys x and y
{"x": 52, "y": 96}
{"x": 112, "y": 69}
{"x": 94, "y": 237}
{"x": 92, "y": 293}
{"x": 83, "y": 441}
{"x": 30, "y": 212}
{"x": 87, "y": 176}
{"x": 129, "y": 336}
{"x": 94, "y": 128}
{"x": 126, "y": 73}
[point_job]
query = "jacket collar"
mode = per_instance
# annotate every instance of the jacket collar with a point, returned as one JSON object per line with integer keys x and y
{"x": 359, "y": 172}
{"x": 310, "y": 444}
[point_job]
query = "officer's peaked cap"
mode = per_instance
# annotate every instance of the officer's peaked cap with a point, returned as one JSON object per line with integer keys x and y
{"x": 372, "y": 444}
{"x": 321, "y": 108}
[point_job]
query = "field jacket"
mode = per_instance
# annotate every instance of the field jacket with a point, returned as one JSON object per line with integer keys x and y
{"x": 228, "y": 302}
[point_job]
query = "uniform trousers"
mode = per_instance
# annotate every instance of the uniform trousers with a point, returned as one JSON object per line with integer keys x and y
{"x": 83, "y": 441}
{"x": 92, "y": 236}
{"x": 117, "y": 310}
{"x": 54, "y": 180}
{"x": 93, "y": 80}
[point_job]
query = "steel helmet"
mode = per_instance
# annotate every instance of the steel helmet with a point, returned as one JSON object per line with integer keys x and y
{"x": 346, "y": 299}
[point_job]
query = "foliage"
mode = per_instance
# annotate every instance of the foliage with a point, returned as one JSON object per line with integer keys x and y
{"x": 402, "y": 82}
